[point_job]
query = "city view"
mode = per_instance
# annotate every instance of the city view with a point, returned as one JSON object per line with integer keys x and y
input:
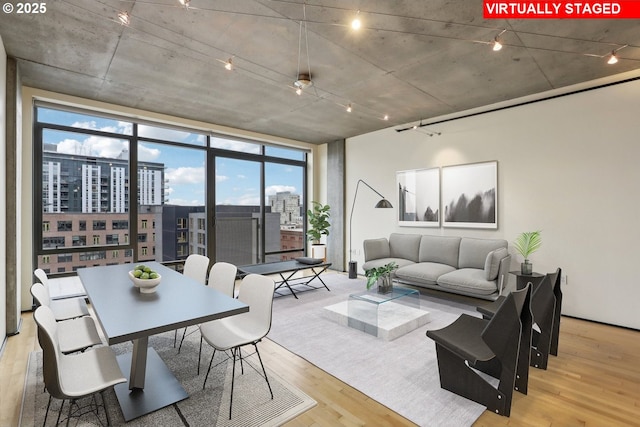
{"x": 86, "y": 194}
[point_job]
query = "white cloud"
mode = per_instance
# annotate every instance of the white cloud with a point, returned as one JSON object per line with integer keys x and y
{"x": 183, "y": 202}
{"x": 146, "y": 154}
{"x": 94, "y": 146}
{"x": 229, "y": 144}
{"x": 221, "y": 178}
{"x": 185, "y": 175}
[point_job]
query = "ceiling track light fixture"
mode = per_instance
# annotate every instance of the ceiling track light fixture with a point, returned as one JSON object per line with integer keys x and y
{"x": 303, "y": 80}
{"x": 419, "y": 126}
{"x": 356, "y": 24}
{"x": 229, "y": 64}
{"x": 497, "y": 45}
{"x": 124, "y": 18}
{"x": 349, "y": 109}
{"x": 613, "y": 58}
{"x": 184, "y": 3}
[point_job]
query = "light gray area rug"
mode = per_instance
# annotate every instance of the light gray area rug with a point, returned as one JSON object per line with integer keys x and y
{"x": 252, "y": 404}
{"x": 401, "y": 374}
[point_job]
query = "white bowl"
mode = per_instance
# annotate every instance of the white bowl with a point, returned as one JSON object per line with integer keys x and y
{"x": 146, "y": 286}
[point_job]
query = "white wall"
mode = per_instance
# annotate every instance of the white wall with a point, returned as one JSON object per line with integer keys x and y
{"x": 567, "y": 166}
{"x": 3, "y": 193}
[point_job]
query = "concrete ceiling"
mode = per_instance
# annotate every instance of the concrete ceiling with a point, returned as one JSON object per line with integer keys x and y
{"x": 412, "y": 60}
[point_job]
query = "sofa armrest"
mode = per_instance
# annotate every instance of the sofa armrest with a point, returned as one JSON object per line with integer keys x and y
{"x": 503, "y": 274}
{"x": 376, "y": 249}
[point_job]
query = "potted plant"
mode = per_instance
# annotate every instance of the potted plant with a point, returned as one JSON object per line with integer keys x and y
{"x": 526, "y": 244}
{"x": 381, "y": 276}
{"x": 318, "y": 217}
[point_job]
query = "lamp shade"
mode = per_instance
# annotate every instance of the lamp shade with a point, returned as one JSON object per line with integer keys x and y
{"x": 384, "y": 204}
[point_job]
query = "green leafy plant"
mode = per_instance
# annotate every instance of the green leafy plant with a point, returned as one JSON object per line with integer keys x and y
{"x": 527, "y": 243}
{"x": 373, "y": 274}
{"x": 319, "y": 224}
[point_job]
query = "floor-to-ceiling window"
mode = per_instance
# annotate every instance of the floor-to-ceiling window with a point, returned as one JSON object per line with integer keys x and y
{"x": 111, "y": 190}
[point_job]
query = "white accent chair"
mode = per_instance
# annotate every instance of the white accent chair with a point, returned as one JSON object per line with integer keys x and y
{"x": 74, "y": 376}
{"x": 63, "y": 309}
{"x": 222, "y": 278}
{"x": 73, "y": 334}
{"x": 229, "y": 334}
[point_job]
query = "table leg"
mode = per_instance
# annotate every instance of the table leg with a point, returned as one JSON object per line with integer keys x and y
{"x": 138, "y": 363}
{"x": 286, "y": 282}
{"x": 318, "y": 276}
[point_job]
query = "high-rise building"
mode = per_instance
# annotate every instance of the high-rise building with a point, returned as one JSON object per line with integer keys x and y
{"x": 87, "y": 184}
{"x": 287, "y": 205}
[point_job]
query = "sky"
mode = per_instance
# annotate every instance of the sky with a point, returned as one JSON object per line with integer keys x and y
{"x": 237, "y": 181}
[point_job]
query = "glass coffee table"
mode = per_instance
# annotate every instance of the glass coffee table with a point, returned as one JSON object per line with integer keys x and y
{"x": 386, "y": 315}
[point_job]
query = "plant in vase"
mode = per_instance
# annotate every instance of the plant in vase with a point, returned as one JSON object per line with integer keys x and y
{"x": 319, "y": 224}
{"x": 382, "y": 276}
{"x": 526, "y": 244}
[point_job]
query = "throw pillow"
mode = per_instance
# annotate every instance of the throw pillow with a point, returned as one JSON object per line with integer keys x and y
{"x": 492, "y": 263}
{"x": 310, "y": 261}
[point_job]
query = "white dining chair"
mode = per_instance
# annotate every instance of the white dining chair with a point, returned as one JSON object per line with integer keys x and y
{"x": 196, "y": 267}
{"x": 74, "y": 376}
{"x": 230, "y": 334}
{"x": 222, "y": 277}
{"x": 67, "y": 308}
{"x": 73, "y": 334}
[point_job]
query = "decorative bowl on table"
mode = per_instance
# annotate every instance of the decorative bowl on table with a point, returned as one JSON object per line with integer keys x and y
{"x": 146, "y": 281}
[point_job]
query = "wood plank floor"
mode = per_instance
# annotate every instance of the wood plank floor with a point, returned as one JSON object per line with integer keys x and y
{"x": 594, "y": 381}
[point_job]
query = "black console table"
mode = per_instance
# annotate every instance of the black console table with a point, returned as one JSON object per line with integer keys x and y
{"x": 290, "y": 268}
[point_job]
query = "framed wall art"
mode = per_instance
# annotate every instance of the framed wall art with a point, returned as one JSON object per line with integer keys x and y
{"x": 419, "y": 197}
{"x": 470, "y": 195}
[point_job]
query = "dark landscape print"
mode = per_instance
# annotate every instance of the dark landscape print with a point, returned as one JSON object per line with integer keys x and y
{"x": 469, "y": 195}
{"x": 419, "y": 197}
{"x": 480, "y": 208}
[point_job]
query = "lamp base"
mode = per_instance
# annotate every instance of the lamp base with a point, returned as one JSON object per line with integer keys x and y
{"x": 353, "y": 269}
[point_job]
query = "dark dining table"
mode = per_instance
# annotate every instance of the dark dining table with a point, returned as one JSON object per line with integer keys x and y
{"x": 126, "y": 314}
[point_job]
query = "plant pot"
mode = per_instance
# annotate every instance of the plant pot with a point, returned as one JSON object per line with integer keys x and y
{"x": 526, "y": 267}
{"x": 385, "y": 284}
{"x": 319, "y": 250}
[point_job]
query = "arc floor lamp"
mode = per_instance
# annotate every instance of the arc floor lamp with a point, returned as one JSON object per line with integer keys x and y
{"x": 383, "y": 203}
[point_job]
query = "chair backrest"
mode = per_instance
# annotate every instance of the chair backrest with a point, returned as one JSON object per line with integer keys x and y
{"x": 42, "y": 276}
{"x": 41, "y": 294}
{"x": 505, "y": 326}
{"x": 222, "y": 277}
{"x": 257, "y": 292}
{"x": 48, "y": 339}
{"x": 543, "y": 301}
{"x": 196, "y": 267}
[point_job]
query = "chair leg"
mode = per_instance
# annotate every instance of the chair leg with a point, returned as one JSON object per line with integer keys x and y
{"x": 210, "y": 363}
{"x": 458, "y": 378}
{"x": 184, "y": 334}
{"x": 47, "y": 412}
{"x": 199, "y": 354}
{"x": 106, "y": 410}
{"x": 263, "y": 370}
{"x": 233, "y": 377}
{"x": 60, "y": 412}
{"x": 69, "y": 412}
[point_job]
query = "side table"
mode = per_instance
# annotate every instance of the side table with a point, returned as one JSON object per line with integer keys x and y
{"x": 523, "y": 279}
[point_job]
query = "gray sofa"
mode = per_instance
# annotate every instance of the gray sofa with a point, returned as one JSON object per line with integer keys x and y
{"x": 461, "y": 265}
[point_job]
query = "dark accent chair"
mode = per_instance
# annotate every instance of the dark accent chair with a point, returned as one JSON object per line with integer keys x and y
{"x": 543, "y": 307}
{"x": 555, "y": 333}
{"x": 491, "y": 346}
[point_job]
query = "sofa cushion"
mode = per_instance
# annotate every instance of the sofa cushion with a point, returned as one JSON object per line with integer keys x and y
{"x": 404, "y": 246}
{"x": 375, "y": 263}
{"x": 440, "y": 249}
{"x": 376, "y": 249}
{"x": 473, "y": 252}
{"x": 423, "y": 272}
{"x": 469, "y": 280}
{"x": 492, "y": 264}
